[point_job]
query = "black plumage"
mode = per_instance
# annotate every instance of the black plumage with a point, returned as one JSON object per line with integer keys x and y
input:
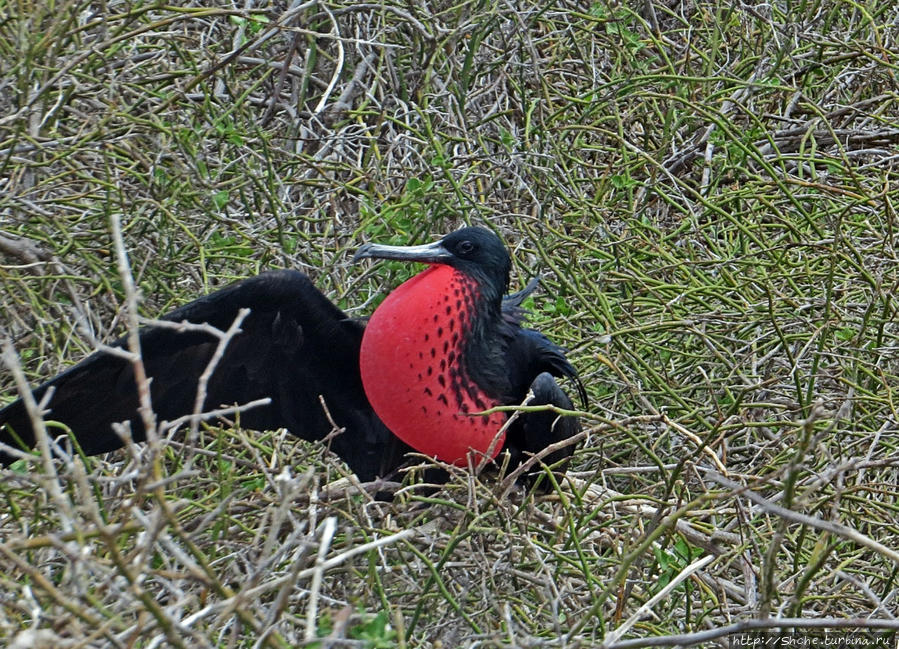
{"x": 294, "y": 347}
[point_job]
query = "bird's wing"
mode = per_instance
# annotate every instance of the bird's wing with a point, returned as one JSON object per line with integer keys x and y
{"x": 530, "y": 353}
{"x": 294, "y": 346}
{"x": 533, "y": 360}
{"x": 542, "y": 428}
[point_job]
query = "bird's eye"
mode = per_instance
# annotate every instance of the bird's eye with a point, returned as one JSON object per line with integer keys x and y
{"x": 465, "y": 247}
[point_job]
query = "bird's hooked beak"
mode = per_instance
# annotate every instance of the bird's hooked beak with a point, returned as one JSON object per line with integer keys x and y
{"x": 428, "y": 253}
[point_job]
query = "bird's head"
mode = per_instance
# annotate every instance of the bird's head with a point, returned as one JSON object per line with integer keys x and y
{"x": 477, "y": 252}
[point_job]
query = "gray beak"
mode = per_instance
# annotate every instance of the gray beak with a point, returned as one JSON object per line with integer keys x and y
{"x": 428, "y": 253}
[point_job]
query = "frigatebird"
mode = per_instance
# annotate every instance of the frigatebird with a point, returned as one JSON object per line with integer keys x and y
{"x": 441, "y": 349}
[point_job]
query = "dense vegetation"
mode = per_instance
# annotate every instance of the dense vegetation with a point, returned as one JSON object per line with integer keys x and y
{"x": 709, "y": 191}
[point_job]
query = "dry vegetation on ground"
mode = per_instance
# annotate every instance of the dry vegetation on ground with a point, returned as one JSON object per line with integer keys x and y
{"x": 709, "y": 190}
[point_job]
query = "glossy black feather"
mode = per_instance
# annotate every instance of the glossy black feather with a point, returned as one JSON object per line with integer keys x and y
{"x": 294, "y": 346}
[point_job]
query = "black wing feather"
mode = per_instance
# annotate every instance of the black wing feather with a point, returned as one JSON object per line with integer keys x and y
{"x": 293, "y": 346}
{"x": 533, "y": 360}
{"x": 541, "y": 429}
{"x": 530, "y": 353}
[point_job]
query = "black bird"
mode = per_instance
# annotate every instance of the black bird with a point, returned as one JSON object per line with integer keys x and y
{"x": 442, "y": 347}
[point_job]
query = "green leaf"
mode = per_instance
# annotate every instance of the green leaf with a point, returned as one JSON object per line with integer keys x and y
{"x": 375, "y": 633}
